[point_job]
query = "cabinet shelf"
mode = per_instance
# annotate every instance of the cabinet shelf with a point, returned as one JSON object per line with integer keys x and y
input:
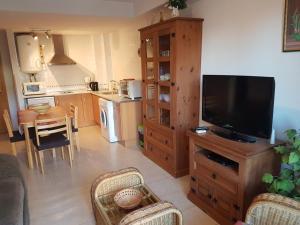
{"x": 164, "y": 83}
{"x": 164, "y": 59}
{"x": 164, "y": 105}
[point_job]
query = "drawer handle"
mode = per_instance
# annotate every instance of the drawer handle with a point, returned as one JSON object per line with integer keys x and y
{"x": 193, "y": 190}
{"x": 209, "y": 196}
{"x": 236, "y": 207}
{"x": 215, "y": 200}
{"x": 166, "y": 142}
{"x": 151, "y": 149}
{"x": 214, "y": 176}
{"x": 151, "y": 134}
{"x": 166, "y": 158}
{"x": 193, "y": 178}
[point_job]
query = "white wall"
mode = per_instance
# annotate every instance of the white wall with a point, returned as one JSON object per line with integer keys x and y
{"x": 126, "y": 62}
{"x": 245, "y": 38}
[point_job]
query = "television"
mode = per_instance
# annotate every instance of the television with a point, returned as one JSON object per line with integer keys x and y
{"x": 242, "y": 105}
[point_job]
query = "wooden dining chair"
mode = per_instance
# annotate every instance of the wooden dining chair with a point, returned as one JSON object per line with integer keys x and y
{"x": 51, "y": 134}
{"x": 14, "y": 135}
{"x": 74, "y": 113}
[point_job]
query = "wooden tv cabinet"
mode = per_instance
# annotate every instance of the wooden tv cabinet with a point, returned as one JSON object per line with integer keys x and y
{"x": 225, "y": 192}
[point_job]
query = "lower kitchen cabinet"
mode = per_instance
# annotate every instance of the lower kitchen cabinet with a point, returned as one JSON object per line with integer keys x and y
{"x": 129, "y": 116}
{"x": 85, "y": 107}
{"x": 96, "y": 109}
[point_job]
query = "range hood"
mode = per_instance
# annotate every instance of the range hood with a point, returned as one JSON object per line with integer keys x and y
{"x": 60, "y": 57}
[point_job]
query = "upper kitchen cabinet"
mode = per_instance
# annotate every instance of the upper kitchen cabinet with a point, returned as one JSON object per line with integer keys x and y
{"x": 171, "y": 59}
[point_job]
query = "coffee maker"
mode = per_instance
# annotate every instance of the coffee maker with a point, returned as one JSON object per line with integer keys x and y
{"x": 94, "y": 86}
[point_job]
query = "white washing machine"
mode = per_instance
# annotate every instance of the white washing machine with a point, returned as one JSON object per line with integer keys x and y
{"x": 108, "y": 120}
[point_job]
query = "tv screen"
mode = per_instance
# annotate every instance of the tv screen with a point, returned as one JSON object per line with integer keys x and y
{"x": 243, "y": 104}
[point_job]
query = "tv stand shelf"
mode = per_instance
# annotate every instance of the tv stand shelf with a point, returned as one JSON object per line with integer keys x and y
{"x": 225, "y": 175}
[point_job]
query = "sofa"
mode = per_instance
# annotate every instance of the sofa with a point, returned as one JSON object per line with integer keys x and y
{"x": 13, "y": 193}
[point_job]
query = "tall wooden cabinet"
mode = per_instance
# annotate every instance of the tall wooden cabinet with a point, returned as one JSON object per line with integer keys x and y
{"x": 171, "y": 59}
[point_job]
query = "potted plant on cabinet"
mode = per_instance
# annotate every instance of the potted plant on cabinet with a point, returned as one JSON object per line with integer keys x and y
{"x": 288, "y": 181}
{"x": 176, "y": 5}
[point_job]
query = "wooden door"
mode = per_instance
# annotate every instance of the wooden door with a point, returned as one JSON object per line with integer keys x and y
{"x": 3, "y": 99}
{"x": 96, "y": 109}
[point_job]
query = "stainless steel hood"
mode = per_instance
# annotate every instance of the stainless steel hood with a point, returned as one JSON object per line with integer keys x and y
{"x": 60, "y": 57}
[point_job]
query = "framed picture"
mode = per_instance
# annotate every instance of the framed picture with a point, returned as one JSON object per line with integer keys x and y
{"x": 291, "y": 34}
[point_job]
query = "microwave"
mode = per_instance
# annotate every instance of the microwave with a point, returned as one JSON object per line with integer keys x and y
{"x": 131, "y": 89}
{"x": 34, "y": 88}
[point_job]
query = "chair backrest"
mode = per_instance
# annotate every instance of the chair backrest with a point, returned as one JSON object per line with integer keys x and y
{"x": 8, "y": 123}
{"x": 47, "y": 127}
{"x": 160, "y": 213}
{"x": 74, "y": 112}
{"x": 273, "y": 209}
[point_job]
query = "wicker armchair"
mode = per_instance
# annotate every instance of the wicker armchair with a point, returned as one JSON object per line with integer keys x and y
{"x": 272, "y": 209}
{"x": 150, "y": 212}
{"x": 163, "y": 213}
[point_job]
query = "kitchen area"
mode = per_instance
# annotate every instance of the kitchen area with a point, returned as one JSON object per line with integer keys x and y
{"x": 60, "y": 70}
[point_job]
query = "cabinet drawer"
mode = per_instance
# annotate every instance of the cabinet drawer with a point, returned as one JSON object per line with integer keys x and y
{"x": 226, "y": 206}
{"x": 160, "y": 137}
{"x": 164, "y": 158}
{"x": 218, "y": 178}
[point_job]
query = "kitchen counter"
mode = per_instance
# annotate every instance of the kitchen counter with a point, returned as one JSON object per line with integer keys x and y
{"x": 111, "y": 97}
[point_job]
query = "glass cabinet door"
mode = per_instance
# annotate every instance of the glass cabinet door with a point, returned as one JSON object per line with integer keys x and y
{"x": 149, "y": 48}
{"x": 164, "y": 45}
{"x": 150, "y": 73}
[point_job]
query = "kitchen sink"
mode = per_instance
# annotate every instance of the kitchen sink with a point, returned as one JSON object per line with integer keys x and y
{"x": 68, "y": 92}
{"x": 107, "y": 93}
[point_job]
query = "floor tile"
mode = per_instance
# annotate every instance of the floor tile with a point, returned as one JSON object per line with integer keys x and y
{"x": 62, "y": 195}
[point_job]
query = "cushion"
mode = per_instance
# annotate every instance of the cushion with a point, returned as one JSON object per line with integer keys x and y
{"x": 11, "y": 175}
{"x": 17, "y": 137}
{"x": 11, "y": 201}
{"x": 74, "y": 130}
{"x": 21, "y": 137}
{"x": 51, "y": 141}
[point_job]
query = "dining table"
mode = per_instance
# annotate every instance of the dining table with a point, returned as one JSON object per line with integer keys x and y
{"x": 27, "y": 117}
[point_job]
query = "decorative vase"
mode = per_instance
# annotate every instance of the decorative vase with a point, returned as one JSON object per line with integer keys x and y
{"x": 175, "y": 12}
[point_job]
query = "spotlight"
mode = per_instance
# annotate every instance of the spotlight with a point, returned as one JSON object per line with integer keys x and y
{"x": 48, "y": 36}
{"x": 34, "y": 35}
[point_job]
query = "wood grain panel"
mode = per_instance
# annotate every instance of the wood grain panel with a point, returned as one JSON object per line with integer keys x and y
{"x": 3, "y": 99}
{"x": 185, "y": 65}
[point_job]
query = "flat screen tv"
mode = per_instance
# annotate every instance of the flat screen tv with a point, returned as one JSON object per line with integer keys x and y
{"x": 241, "y": 104}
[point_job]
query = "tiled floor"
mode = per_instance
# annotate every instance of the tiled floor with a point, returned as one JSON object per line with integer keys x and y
{"x": 62, "y": 196}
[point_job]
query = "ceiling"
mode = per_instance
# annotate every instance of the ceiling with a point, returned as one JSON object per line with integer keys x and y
{"x": 72, "y": 16}
{"x": 121, "y": 0}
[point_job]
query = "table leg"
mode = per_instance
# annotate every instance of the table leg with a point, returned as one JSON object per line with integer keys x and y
{"x": 28, "y": 147}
